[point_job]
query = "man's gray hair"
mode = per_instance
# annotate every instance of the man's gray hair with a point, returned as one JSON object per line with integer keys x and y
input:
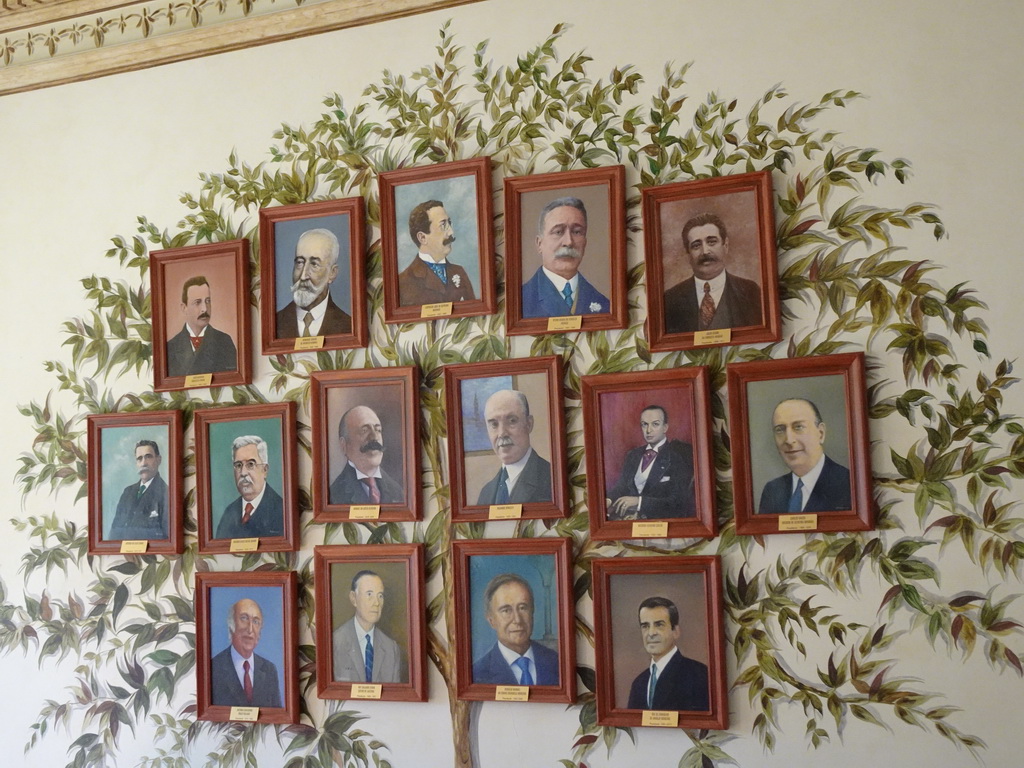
{"x": 335, "y": 246}
{"x": 259, "y": 442}
{"x": 560, "y": 202}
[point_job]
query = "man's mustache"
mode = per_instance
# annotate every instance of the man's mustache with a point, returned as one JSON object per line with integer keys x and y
{"x": 504, "y": 442}
{"x": 568, "y": 252}
{"x": 204, "y": 316}
{"x": 303, "y": 284}
{"x": 370, "y": 446}
{"x": 449, "y": 240}
{"x": 707, "y": 257}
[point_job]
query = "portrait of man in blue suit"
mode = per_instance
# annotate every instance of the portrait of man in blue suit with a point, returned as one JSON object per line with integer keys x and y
{"x": 558, "y": 288}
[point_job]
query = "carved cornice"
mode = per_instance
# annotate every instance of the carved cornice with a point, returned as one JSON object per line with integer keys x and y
{"x": 50, "y": 42}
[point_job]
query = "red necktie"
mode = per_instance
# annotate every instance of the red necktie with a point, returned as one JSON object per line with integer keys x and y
{"x": 371, "y": 485}
{"x": 196, "y": 341}
{"x": 707, "y": 308}
{"x": 248, "y": 513}
{"x": 248, "y": 682}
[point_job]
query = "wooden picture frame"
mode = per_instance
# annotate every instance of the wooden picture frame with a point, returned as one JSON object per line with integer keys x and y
{"x": 533, "y": 304}
{"x": 672, "y": 409}
{"x": 274, "y": 523}
{"x": 220, "y": 690}
{"x": 633, "y": 603}
{"x": 746, "y": 307}
{"x": 296, "y": 243}
{"x": 146, "y": 447}
{"x": 399, "y": 671}
{"x": 412, "y": 292}
{"x": 380, "y": 404}
{"x": 825, "y": 404}
{"x": 473, "y": 457}
{"x": 223, "y": 357}
{"x": 544, "y": 565}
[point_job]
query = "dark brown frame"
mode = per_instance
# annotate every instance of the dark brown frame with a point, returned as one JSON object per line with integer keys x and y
{"x": 354, "y": 208}
{"x": 603, "y": 571}
{"x": 408, "y": 443}
{"x": 174, "y": 544}
{"x": 515, "y": 187}
{"x": 654, "y": 198}
{"x": 704, "y": 523}
{"x": 454, "y": 375}
{"x": 411, "y": 555}
{"x": 560, "y": 549}
{"x": 158, "y": 260}
{"x": 480, "y": 169}
{"x": 285, "y": 411}
{"x": 851, "y": 367}
{"x": 288, "y": 582}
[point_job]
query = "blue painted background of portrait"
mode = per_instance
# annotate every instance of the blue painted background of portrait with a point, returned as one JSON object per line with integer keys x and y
{"x": 117, "y": 446}
{"x": 222, "y": 478}
{"x": 474, "y": 395}
{"x": 286, "y": 235}
{"x": 483, "y": 568}
{"x": 459, "y": 197}
{"x": 271, "y": 603}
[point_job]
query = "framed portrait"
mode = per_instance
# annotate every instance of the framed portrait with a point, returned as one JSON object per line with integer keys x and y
{"x": 247, "y": 646}
{"x": 799, "y": 434}
{"x": 516, "y": 628}
{"x": 712, "y": 277}
{"x": 659, "y": 642}
{"x": 200, "y": 297}
{"x": 370, "y": 639}
{"x": 650, "y": 465}
{"x": 565, "y": 251}
{"x": 366, "y": 446}
{"x": 312, "y": 265}
{"x": 506, "y": 439}
{"x": 134, "y": 473}
{"x": 246, "y": 478}
{"x": 437, "y": 242}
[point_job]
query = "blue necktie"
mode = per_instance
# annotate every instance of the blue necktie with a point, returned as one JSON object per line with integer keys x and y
{"x": 439, "y": 270}
{"x": 369, "y": 659}
{"x": 524, "y": 666}
{"x": 650, "y": 688}
{"x": 796, "y": 501}
{"x": 501, "y": 495}
{"x": 567, "y": 294}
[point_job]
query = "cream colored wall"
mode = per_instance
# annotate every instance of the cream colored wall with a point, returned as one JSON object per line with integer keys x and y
{"x": 943, "y": 85}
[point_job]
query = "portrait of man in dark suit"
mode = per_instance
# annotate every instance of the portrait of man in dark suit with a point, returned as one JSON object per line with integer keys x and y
{"x": 312, "y": 311}
{"x": 815, "y": 482}
{"x": 142, "y": 509}
{"x": 524, "y": 475}
{"x": 431, "y": 278}
{"x": 712, "y": 298}
{"x": 558, "y": 288}
{"x": 198, "y": 347}
{"x": 258, "y": 512}
{"x": 657, "y": 477}
{"x": 239, "y": 677}
{"x": 362, "y": 652}
{"x": 671, "y": 680}
{"x": 515, "y": 659}
{"x": 363, "y": 480}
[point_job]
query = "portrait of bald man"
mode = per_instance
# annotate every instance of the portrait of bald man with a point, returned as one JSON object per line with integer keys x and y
{"x": 524, "y": 475}
{"x": 312, "y": 310}
{"x": 363, "y": 480}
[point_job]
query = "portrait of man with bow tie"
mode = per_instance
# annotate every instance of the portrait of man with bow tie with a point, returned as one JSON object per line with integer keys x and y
{"x": 198, "y": 347}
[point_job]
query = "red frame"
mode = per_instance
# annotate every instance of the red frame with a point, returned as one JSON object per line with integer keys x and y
{"x": 411, "y": 555}
{"x": 288, "y": 581}
{"x": 174, "y": 544}
{"x": 462, "y": 510}
{"x": 654, "y": 198}
{"x": 704, "y": 523}
{"x": 354, "y": 208}
{"x": 603, "y": 571}
{"x": 851, "y": 367}
{"x": 559, "y": 548}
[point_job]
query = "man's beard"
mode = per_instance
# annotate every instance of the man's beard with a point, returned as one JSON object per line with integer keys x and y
{"x": 305, "y": 293}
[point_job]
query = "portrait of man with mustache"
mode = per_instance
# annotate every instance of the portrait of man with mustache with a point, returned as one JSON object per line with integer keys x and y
{"x": 431, "y": 278}
{"x": 558, "y": 288}
{"x": 312, "y": 311}
{"x": 363, "y": 480}
{"x": 258, "y": 512}
{"x": 199, "y": 347}
{"x": 142, "y": 509}
{"x": 524, "y": 476}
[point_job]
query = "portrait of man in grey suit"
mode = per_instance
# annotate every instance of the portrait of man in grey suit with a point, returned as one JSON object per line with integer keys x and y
{"x": 142, "y": 509}
{"x": 239, "y": 677}
{"x": 363, "y": 480}
{"x": 712, "y": 298}
{"x": 312, "y": 311}
{"x": 199, "y": 347}
{"x": 524, "y": 476}
{"x": 362, "y": 652}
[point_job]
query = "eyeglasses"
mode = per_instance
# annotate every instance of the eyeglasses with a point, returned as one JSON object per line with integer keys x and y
{"x": 249, "y": 465}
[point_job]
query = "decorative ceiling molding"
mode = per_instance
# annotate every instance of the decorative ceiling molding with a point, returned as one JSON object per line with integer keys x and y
{"x": 51, "y": 42}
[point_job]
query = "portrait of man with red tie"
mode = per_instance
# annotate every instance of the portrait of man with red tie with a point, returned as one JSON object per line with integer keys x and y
{"x": 258, "y": 512}
{"x": 198, "y": 347}
{"x": 363, "y": 480}
{"x": 239, "y": 676}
